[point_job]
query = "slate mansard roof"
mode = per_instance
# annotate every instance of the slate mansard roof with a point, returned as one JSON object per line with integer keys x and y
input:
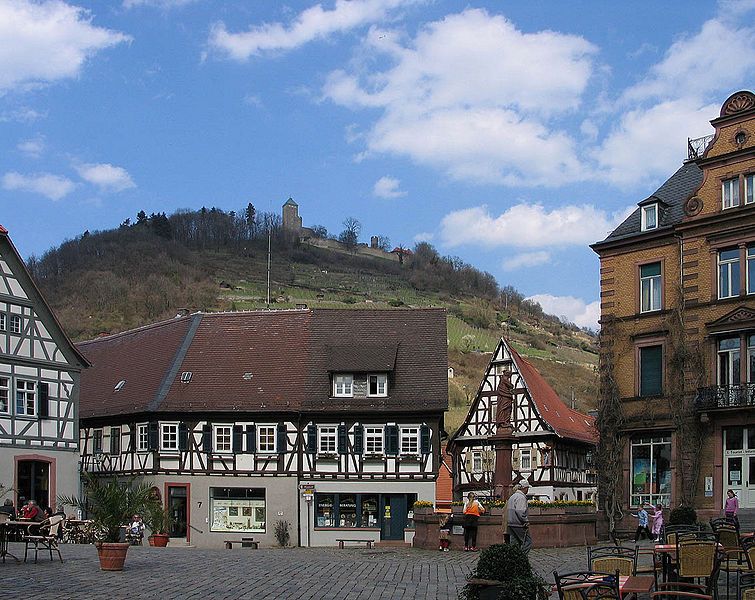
{"x": 268, "y": 361}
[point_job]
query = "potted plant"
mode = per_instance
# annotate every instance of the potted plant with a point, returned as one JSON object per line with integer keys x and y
{"x": 457, "y": 507}
{"x": 159, "y": 521}
{"x": 111, "y": 503}
{"x": 503, "y": 572}
{"x": 423, "y": 507}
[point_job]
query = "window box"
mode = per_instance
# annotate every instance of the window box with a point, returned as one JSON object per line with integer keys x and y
{"x": 327, "y": 456}
{"x": 409, "y": 457}
{"x": 373, "y": 455}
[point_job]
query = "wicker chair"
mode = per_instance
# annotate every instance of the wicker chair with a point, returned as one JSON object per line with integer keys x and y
{"x": 586, "y": 584}
{"x": 47, "y": 538}
{"x": 698, "y": 559}
{"x": 734, "y": 558}
{"x": 609, "y": 559}
{"x": 671, "y": 531}
{"x": 746, "y": 586}
{"x": 723, "y": 521}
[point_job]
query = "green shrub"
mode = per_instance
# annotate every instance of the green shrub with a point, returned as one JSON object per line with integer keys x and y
{"x": 349, "y": 300}
{"x": 282, "y": 533}
{"x": 509, "y": 565}
{"x": 395, "y": 303}
{"x": 683, "y": 515}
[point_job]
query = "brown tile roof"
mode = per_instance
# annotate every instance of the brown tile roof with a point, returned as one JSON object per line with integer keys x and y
{"x": 361, "y": 359}
{"x": 567, "y": 423}
{"x": 266, "y": 361}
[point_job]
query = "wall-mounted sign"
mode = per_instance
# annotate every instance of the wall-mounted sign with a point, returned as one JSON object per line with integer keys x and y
{"x": 708, "y": 487}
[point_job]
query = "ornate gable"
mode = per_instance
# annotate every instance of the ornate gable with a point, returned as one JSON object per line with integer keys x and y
{"x": 739, "y": 318}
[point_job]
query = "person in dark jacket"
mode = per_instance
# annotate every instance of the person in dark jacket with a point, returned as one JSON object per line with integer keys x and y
{"x": 8, "y": 509}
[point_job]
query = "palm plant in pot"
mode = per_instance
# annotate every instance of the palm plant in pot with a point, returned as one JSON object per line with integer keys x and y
{"x": 110, "y": 503}
{"x": 159, "y": 521}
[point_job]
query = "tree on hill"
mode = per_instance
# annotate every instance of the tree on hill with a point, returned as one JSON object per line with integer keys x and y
{"x": 319, "y": 231}
{"x": 384, "y": 243}
{"x": 349, "y": 237}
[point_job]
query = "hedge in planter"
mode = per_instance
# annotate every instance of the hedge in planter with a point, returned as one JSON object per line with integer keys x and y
{"x": 509, "y": 567}
{"x": 683, "y": 515}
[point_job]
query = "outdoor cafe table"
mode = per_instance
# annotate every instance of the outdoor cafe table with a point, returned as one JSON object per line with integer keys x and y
{"x": 632, "y": 584}
{"x": 6, "y": 527}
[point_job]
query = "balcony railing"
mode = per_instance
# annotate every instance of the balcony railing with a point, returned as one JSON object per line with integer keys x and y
{"x": 696, "y": 147}
{"x": 725, "y": 396}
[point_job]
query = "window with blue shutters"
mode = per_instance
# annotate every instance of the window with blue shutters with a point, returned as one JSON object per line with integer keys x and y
{"x": 153, "y": 436}
{"x": 183, "y": 437}
{"x": 391, "y": 439}
{"x": 311, "y": 439}
{"x": 251, "y": 439}
{"x": 358, "y": 439}
{"x": 282, "y": 438}
{"x": 238, "y": 438}
{"x": 43, "y": 400}
{"x": 424, "y": 439}
{"x": 343, "y": 439}
{"x": 207, "y": 438}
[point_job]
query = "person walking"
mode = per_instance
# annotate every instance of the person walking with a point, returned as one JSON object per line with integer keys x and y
{"x": 518, "y": 518}
{"x": 657, "y": 529}
{"x": 731, "y": 508}
{"x": 472, "y": 511}
{"x": 642, "y": 523}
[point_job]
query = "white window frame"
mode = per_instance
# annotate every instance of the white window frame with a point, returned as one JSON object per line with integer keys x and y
{"x": 727, "y": 264}
{"x": 263, "y": 439}
{"x": 749, "y": 188}
{"x": 16, "y": 324}
{"x": 645, "y": 210}
{"x": 653, "y": 282}
{"x": 343, "y": 386}
{"x": 5, "y": 395}
{"x": 373, "y": 439}
{"x": 26, "y": 397}
{"x": 477, "y": 463}
{"x": 142, "y": 437}
{"x": 730, "y": 189}
{"x": 381, "y": 384}
{"x": 222, "y": 439}
{"x": 165, "y": 436}
{"x": 408, "y": 439}
{"x": 327, "y": 439}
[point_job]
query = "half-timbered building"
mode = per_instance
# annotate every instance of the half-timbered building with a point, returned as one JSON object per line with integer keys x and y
{"x": 552, "y": 443}
{"x": 328, "y": 420}
{"x": 39, "y": 386}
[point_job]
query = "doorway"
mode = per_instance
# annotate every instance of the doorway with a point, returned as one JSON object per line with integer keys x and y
{"x": 178, "y": 503}
{"x": 33, "y": 481}
{"x": 394, "y": 512}
{"x": 739, "y": 464}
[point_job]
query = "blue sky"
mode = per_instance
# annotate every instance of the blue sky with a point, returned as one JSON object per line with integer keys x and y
{"x": 511, "y": 134}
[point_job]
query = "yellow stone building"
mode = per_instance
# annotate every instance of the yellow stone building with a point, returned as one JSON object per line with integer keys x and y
{"x": 677, "y": 281}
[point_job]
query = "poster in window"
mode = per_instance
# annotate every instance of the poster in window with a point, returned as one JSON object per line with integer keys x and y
{"x": 242, "y": 515}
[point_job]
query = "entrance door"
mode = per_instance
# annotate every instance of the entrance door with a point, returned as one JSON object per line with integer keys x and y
{"x": 33, "y": 481}
{"x": 177, "y": 506}
{"x": 739, "y": 464}
{"x": 394, "y": 517}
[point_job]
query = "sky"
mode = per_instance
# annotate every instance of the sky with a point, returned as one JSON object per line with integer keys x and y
{"x": 510, "y": 134}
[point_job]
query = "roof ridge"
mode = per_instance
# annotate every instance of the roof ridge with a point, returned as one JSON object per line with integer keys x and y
{"x": 128, "y": 332}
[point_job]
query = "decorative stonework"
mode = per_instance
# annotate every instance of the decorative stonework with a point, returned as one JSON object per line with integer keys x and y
{"x": 693, "y": 206}
{"x": 739, "y": 102}
{"x": 738, "y": 315}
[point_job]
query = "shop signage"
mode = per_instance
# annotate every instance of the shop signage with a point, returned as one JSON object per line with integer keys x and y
{"x": 708, "y": 487}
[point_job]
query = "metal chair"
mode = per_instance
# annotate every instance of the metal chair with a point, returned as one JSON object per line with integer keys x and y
{"x": 47, "y": 538}
{"x": 612, "y": 558}
{"x": 746, "y": 586}
{"x": 672, "y": 595}
{"x": 748, "y": 550}
{"x": 698, "y": 559}
{"x": 723, "y": 521}
{"x": 580, "y": 584}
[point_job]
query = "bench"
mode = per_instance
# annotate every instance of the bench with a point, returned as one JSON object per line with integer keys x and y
{"x": 368, "y": 542}
{"x": 244, "y": 542}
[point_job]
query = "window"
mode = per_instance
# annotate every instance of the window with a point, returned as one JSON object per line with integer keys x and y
{"x": 343, "y": 386}
{"x": 223, "y": 438}
{"x": 369, "y": 510}
{"x": 751, "y": 363}
{"x": 477, "y": 462}
{"x": 97, "y": 441}
{"x": 651, "y": 470}
{"x": 115, "y": 440}
{"x": 751, "y": 270}
{"x": 326, "y": 440}
{"x": 169, "y": 436}
{"x": 649, "y": 217}
{"x": 356, "y": 510}
{"x": 650, "y": 287}
{"x": 651, "y": 370}
{"x": 373, "y": 438}
{"x": 378, "y": 385}
{"x": 3, "y": 324}
{"x": 728, "y": 361}
{"x": 26, "y": 397}
{"x": 749, "y": 189}
{"x": 15, "y": 324}
{"x": 525, "y": 459}
{"x": 238, "y": 510}
{"x": 325, "y": 514}
{"x": 142, "y": 438}
{"x": 409, "y": 440}
{"x": 728, "y": 273}
{"x": 4, "y": 395}
{"x": 347, "y": 510}
{"x": 730, "y": 192}
{"x": 266, "y": 438}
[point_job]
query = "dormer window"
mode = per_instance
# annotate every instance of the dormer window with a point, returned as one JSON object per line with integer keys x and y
{"x": 360, "y": 385}
{"x": 343, "y": 386}
{"x": 649, "y": 217}
{"x": 378, "y": 385}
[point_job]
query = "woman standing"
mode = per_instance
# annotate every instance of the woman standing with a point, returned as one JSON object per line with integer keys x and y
{"x": 472, "y": 511}
{"x": 731, "y": 508}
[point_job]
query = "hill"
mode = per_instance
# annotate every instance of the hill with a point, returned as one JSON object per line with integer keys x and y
{"x": 110, "y": 281}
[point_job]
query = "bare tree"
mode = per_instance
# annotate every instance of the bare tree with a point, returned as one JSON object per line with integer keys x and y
{"x": 349, "y": 237}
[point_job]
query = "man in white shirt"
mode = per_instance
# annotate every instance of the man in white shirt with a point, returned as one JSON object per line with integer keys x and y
{"x": 517, "y": 516}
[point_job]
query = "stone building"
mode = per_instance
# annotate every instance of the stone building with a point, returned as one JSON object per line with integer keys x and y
{"x": 677, "y": 282}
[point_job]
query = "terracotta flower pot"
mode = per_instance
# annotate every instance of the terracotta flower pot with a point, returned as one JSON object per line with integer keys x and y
{"x": 112, "y": 556}
{"x": 160, "y": 540}
{"x": 151, "y": 540}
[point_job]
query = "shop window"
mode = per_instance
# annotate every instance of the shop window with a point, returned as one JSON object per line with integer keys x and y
{"x": 651, "y": 470}
{"x": 649, "y": 217}
{"x": 728, "y": 361}
{"x": 651, "y": 370}
{"x": 369, "y": 514}
{"x": 347, "y": 510}
{"x": 26, "y": 397}
{"x": 343, "y": 386}
{"x": 169, "y": 436}
{"x": 4, "y": 395}
{"x": 728, "y": 273}
{"x": 650, "y": 287}
{"x": 325, "y": 510}
{"x": 730, "y": 193}
{"x": 240, "y": 510}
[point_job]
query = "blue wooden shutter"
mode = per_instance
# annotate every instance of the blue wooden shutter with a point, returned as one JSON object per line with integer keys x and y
{"x": 312, "y": 439}
{"x": 343, "y": 439}
{"x": 238, "y": 438}
{"x": 651, "y": 371}
{"x": 424, "y": 439}
{"x": 251, "y": 439}
{"x": 43, "y": 400}
{"x": 207, "y": 438}
{"x": 183, "y": 437}
{"x": 153, "y": 437}
{"x": 358, "y": 439}
{"x": 282, "y": 443}
{"x": 391, "y": 439}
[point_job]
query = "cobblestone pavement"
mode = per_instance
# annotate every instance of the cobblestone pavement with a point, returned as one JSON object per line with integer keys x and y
{"x": 296, "y": 574}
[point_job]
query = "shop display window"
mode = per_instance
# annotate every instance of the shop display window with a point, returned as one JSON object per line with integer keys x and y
{"x": 239, "y": 510}
{"x": 651, "y": 470}
{"x": 369, "y": 511}
{"x": 347, "y": 510}
{"x": 325, "y": 508}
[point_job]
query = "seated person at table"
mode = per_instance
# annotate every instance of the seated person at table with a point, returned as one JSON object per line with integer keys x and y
{"x": 31, "y": 511}
{"x": 8, "y": 509}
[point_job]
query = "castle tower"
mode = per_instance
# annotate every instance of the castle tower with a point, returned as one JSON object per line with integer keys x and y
{"x": 291, "y": 218}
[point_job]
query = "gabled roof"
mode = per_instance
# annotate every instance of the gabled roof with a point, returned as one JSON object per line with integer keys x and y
{"x": 21, "y": 273}
{"x": 565, "y": 422}
{"x": 290, "y": 202}
{"x": 269, "y": 361}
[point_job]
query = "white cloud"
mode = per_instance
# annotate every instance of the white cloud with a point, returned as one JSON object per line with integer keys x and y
{"x": 253, "y": 100}
{"x": 475, "y": 97}
{"x": 526, "y": 259}
{"x": 47, "y": 41}
{"x": 22, "y": 115}
{"x": 388, "y": 187}
{"x": 424, "y": 236}
{"x": 573, "y": 309}
{"x": 32, "y": 147}
{"x": 106, "y": 176}
{"x": 163, "y": 4}
{"x": 311, "y": 24}
{"x": 527, "y": 225}
{"x": 53, "y": 187}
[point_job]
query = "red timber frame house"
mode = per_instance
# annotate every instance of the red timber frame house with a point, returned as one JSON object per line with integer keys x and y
{"x": 552, "y": 444}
